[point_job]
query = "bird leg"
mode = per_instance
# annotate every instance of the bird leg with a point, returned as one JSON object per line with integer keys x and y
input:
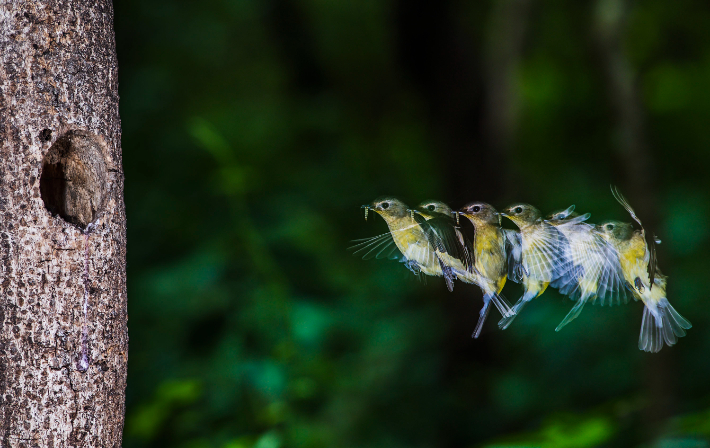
{"x": 413, "y": 266}
{"x": 639, "y": 285}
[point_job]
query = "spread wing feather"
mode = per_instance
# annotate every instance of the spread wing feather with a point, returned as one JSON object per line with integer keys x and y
{"x": 595, "y": 269}
{"x": 380, "y": 246}
{"x": 423, "y": 253}
{"x": 544, "y": 256}
{"x": 611, "y": 283}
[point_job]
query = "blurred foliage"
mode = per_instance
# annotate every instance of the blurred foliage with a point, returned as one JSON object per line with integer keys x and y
{"x": 254, "y": 130}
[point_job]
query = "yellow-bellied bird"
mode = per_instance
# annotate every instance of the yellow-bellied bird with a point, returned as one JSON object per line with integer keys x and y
{"x": 596, "y": 271}
{"x": 451, "y": 246}
{"x": 405, "y": 234}
{"x": 543, "y": 257}
{"x": 661, "y": 322}
{"x": 492, "y": 248}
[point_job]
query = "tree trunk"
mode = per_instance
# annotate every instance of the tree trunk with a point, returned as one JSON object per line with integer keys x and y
{"x": 63, "y": 333}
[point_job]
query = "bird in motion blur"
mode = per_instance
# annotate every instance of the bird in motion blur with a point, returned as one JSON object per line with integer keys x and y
{"x": 595, "y": 273}
{"x": 661, "y": 322}
{"x": 603, "y": 263}
{"x": 492, "y": 247}
{"x": 543, "y": 255}
{"x": 405, "y": 236}
{"x": 452, "y": 248}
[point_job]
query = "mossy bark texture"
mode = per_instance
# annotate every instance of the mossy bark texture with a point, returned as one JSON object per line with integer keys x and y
{"x": 63, "y": 320}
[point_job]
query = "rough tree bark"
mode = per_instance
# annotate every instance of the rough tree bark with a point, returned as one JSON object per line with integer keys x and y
{"x": 63, "y": 333}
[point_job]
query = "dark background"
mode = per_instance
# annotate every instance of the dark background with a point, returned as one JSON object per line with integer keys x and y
{"x": 253, "y": 130}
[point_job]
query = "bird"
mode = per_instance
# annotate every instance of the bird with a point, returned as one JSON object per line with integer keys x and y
{"x": 492, "y": 248}
{"x": 661, "y": 322}
{"x": 596, "y": 271}
{"x": 543, "y": 255}
{"x": 404, "y": 235}
{"x": 451, "y": 246}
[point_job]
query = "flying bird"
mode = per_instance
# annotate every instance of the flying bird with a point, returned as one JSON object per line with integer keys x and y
{"x": 596, "y": 272}
{"x": 661, "y": 322}
{"x": 405, "y": 235}
{"x": 492, "y": 248}
{"x": 451, "y": 246}
{"x": 543, "y": 255}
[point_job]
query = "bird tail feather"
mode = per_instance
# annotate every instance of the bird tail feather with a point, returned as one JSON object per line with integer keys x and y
{"x": 663, "y": 325}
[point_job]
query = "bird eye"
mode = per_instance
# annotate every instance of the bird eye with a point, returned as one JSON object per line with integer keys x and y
{"x": 610, "y": 226}
{"x": 385, "y": 205}
{"x": 431, "y": 207}
{"x": 476, "y": 209}
{"x": 518, "y": 210}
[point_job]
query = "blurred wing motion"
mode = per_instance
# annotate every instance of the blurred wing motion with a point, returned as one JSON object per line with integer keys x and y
{"x": 380, "y": 246}
{"x": 596, "y": 271}
{"x": 514, "y": 254}
{"x": 652, "y": 264}
{"x": 624, "y": 203}
{"x": 543, "y": 259}
{"x": 447, "y": 240}
{"x": 448, "y": 244}
{"x": 543, "y": 254}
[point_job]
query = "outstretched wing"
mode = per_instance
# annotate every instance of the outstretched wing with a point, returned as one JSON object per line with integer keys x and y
{"x": 380, "y": 246}
{"x": 652, "y": 264}
{"x": 612, "y": 284}
{"x": 596, "y": 271}
{"x": 544, "y": 254}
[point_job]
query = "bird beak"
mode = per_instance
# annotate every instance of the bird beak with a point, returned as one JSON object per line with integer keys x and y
{"x": 504, "y": 214}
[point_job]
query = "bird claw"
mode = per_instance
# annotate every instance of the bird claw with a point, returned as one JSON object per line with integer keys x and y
{"x": 413, "y": 266}
{"x": 520, "y": 271}
{"x": 639, "y": 285}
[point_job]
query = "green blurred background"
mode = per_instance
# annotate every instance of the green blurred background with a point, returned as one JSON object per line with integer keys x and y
{"x": 253, "y": 130}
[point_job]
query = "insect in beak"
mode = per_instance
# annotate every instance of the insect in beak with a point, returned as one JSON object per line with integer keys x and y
{"x": 367, "y": 209}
